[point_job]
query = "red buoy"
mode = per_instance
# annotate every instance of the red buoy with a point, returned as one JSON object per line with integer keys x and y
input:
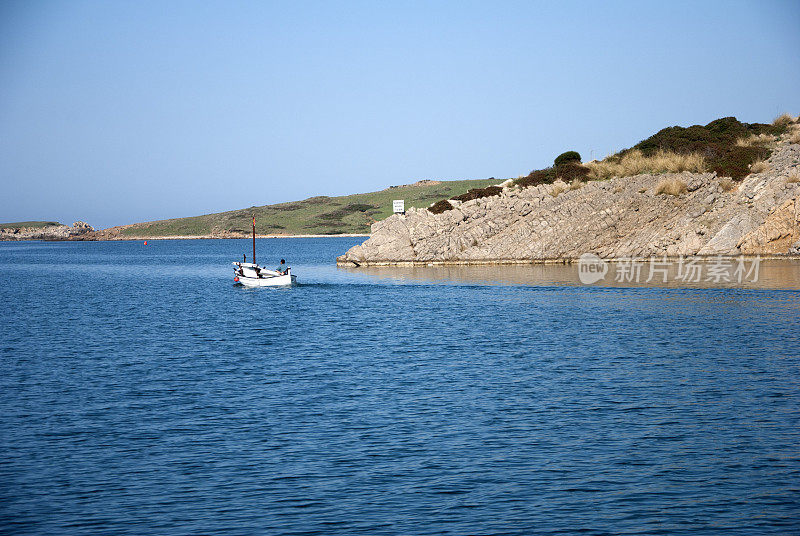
{"x": 145, "y": 242}
{"x": 236, "y": 279}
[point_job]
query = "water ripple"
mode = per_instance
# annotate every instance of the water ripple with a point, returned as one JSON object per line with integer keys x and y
{"x": 143, "y": 393}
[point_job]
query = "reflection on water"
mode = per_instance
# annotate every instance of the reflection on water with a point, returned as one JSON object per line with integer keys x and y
{"x": 771, "y": 274}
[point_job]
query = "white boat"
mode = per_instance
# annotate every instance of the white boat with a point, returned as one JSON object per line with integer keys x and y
{"x": 251, "y": 274}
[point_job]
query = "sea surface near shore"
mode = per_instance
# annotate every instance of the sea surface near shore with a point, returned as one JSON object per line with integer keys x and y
{"x": 143, "y": 393}
{"x": 217, "y": 237}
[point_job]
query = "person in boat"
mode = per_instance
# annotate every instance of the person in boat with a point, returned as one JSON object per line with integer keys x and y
{"x": 282, "y": 267}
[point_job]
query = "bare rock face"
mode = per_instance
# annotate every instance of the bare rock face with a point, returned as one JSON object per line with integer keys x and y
{"x": 621, "y": 217}
{"x": 780, "y": 232}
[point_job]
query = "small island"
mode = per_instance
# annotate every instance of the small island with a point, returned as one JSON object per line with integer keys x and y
{"x": 44, "y": 230}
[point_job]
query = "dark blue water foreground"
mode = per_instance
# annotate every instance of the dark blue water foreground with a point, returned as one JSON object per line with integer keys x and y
{"x": 142, "y": 393}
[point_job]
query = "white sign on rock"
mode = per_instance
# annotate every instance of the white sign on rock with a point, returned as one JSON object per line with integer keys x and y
{"x": 398, "y": 206}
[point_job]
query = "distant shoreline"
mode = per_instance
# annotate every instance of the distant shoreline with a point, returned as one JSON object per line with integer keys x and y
{"x": 83, "y": 238}
{"x": 209, "y": 237}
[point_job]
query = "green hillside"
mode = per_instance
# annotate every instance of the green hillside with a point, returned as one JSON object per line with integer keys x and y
{"x": 316, "y": 215}
{"x": 29, "y": 224}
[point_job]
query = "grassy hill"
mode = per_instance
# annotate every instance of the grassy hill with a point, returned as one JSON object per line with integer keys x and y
{"x": 29, "y": 224}
{"x": 316, "y": 215}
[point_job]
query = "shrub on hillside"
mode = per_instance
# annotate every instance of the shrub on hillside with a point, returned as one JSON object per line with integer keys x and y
{"x": 358, "y": 207}
{"x": 316, "y": 200}
{"x": 478, "y": 193}
{"x": 716, "y": 142}
{"x": 474, "y": 193}
{"x": 440, "y": 206}
{"x": 340, "y": 213}
{"x": 537, "y": 177}
{"x": 287, "y": 206}
{"x": 333, "y": 216}
{"x": 569, "y": 156}
{"x": 571, "y": 171}
{"x": 735, "y": 161}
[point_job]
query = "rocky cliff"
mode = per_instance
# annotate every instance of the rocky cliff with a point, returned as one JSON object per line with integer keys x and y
{"x": 622, "y": 217}
{"x": 49, "y": 232}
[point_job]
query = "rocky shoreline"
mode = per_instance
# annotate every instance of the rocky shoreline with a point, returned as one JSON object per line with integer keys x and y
{"x": 617, "y": 218}
{"x": 76, "y": 231}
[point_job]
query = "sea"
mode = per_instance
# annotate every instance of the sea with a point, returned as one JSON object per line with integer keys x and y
{"x": 143, "y": 392}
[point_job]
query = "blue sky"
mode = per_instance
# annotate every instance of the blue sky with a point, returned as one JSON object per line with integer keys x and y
{"x": 117, "y": 112}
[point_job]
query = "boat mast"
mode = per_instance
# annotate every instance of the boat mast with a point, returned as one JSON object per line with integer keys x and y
{"x": 254, "y": 239}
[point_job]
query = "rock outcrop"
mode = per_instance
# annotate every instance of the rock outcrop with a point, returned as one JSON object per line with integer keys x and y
{"x": 621, "y": 217}
{"x": 49, "y": 232}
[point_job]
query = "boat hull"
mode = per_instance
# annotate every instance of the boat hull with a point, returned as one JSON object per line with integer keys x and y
{"x": 274, "y": 281}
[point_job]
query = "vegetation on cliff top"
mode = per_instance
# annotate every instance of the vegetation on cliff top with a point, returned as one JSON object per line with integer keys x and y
{"x": 725, "y": 146}
{"x": 717, "y": 144}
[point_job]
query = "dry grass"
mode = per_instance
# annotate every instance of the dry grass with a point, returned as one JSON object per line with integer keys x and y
{"x": 635, "y": 163}
{"x": 755, "y": 139}
{"x": 793, "y": 178}
{"x": 783, "y": 120}
{"x": 558, "y": 188}
{"x": 671, "y": 187}
{"x": 759, "y": 166}
{"x": 727, "y": 184}
{"x": 575, "y": 185}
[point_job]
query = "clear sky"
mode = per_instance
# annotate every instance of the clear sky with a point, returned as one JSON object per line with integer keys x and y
{"x": 121, "y": 111}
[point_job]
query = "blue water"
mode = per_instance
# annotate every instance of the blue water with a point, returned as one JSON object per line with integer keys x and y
{"x": 141, "y": 392}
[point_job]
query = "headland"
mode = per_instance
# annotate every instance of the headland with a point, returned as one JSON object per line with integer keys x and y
{"x": 727, "y": 188}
